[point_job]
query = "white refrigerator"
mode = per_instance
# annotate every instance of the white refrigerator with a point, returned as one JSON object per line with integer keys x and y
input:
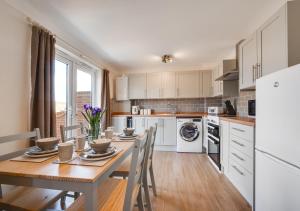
{"x": 277, "y": 147}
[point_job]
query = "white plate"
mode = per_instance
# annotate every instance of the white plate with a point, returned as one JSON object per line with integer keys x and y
{"x": 38, "y": 151}
{"x": 40, "y": 156}
{"x": 92, "y": 154}
{"x": 123, "y": 136}
{"x": 85, "y": 157}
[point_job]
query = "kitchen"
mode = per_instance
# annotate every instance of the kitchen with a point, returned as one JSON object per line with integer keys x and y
{"x": 186, "y": 105}
{"x": 150, "y": 105}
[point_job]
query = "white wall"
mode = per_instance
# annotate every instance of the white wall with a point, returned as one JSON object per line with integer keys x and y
{"x": 14, "y": 72}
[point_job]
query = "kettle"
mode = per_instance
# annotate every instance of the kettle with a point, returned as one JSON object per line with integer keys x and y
{"x": 135, "y": 110}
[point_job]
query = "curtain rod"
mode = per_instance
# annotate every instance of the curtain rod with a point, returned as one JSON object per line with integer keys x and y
{"x": 80, "y": 54}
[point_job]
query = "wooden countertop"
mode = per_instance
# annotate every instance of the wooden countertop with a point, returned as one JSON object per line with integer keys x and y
{"x": 240, "y": 120}
{"x": 158, "y": 114}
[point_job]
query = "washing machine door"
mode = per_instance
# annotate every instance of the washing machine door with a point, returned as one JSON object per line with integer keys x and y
{"x": 189, "y": 131}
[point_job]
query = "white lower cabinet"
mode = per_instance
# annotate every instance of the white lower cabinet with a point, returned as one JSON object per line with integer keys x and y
{"x": 139, "y": 124}
{"x": 237, "y": 155}
{"x": 151, "y": 121}
{"x": 169, "y": 130}
{"x": 205, "y": 133}
{"x": 225, "y": 146}
{"x": 119, "y": 123}
{"x": 166, "y": 130}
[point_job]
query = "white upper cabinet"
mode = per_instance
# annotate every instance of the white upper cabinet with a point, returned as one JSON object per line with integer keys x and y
{"x": 154, "y": 85}
{"x": 137, "y": 86}
{"x": 122, "y": 88}
{"x": 248, "y": 60}
{"x": 161, "y": 85}
{"x": 206, "y": 87}
{"x": 217, "y": 85}
{"x": 187, "y": 84}
{"x": 274, "y": 46}
{"x": 168, "y": 85}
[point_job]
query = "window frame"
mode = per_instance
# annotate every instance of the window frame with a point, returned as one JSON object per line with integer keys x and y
{"x": 74, "y": 64}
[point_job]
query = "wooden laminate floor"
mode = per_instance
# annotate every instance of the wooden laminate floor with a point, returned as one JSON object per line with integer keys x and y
{"x": 188, "y": 181}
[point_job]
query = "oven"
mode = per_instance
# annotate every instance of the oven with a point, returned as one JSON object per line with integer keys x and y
{"x": 213, "y": 137}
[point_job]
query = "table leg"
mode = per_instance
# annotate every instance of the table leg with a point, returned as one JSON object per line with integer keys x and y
{"x": 91, "y": 198}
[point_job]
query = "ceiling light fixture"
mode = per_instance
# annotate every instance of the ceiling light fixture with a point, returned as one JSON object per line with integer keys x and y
{"x": 167, "y": 58}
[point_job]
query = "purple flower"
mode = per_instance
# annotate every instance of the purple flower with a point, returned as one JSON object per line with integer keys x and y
{"x": 87, "y": 107}
{"x": 96, "y": 111}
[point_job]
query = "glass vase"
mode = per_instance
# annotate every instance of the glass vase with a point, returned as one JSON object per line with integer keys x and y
{"x": 94, "y": 131}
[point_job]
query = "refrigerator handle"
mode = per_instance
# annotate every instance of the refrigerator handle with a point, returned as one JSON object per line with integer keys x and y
{"x": 278, "y": 160}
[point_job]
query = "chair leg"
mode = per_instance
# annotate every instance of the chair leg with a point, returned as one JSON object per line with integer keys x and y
{"x": 63, "y": 202}
{"x": 147, "y": 195}
{"x": 140, "y": 200}
{"x": 76, "y": 195}
{"x": 152, "y": 181}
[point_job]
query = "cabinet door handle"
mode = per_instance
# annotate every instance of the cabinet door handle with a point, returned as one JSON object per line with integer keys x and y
{"x": 237, "y": 169}
{"x": 237, "y": 129}
{"x": 258, "y": 66}
{"x": 238, "y": 143}
{"x": 253, "y": 66}
{"x": 237, "y": 156}
{"x": 177, "y": 90}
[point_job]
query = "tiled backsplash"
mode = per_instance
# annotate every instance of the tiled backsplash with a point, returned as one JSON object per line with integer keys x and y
{"x": 241, "y": 102}
{"x": 187, "y": 105}
{"x": 178, "y": 105}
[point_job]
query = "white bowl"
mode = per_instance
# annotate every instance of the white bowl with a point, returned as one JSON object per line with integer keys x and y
{"x": 128, "y": 131}
{"x": 47, "y": 143}
{"x": 100, "y": 145}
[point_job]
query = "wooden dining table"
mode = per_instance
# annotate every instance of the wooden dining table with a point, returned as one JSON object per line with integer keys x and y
{"x": 66, "y": 177}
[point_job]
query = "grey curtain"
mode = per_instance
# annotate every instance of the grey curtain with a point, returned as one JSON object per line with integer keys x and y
{"x": 105, "y": 100}
{"x": 42, "y": 82}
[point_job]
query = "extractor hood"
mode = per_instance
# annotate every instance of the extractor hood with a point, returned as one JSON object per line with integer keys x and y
{"x": 230, "y": 67}
{"x": 230, "y": 71}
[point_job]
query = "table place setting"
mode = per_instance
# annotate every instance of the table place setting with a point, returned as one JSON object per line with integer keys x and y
{"x": 127, "y": 135}
{"x": 45, "y": 149}
{"x": 98, "y": 153}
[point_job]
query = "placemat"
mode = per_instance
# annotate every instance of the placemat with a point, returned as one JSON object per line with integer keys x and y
{"x": 24, "y": 158}
{"x": 118, "y": 139}
{"x": 78, "y": 161}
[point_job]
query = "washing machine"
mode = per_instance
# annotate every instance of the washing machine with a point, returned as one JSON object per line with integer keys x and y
{"x": 189, "y": 135}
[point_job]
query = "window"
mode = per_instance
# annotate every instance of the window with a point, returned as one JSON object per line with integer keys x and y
{"x": 75, "y": 85}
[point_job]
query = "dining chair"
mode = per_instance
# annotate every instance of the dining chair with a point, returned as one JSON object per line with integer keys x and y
{"x": 150, "y": 166}
{"x": 121, "y": 195}
{"x": 123, "y": 170}
{"x": 26, "y": 198}
{"x": 64, "y": 137}
{"x": 65, "y": 129}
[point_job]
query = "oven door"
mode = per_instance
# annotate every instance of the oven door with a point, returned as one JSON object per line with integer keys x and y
{"x": 213, "y": 130}
{"x": 214, "y": 150}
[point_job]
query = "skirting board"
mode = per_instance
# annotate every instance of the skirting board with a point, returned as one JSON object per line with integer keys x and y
{"x": 166, "y": 148}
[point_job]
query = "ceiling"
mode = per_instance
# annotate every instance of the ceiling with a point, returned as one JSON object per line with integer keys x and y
{"x": 133, "y": 34}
